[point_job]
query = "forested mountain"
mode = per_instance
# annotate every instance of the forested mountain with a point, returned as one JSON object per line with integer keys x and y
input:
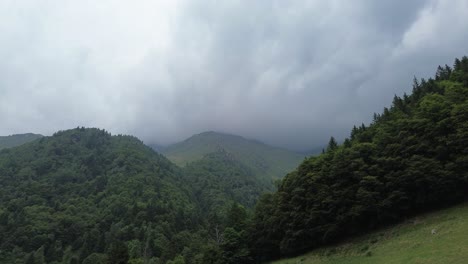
{"x": 17, "y": 140}
{"x": 265, "y": 162}
{"x": 82, "y": 195}
{"x": 85, "y": 196}
{"x": 219, "y": 178}
{"x": 413, "y": 157}
{"x": 222, "y": 168}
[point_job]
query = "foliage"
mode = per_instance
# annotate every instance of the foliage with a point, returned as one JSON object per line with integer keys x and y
{"x": 412, "y": 158}
{"x": 82, "y": 195}
{"x": 219, "y": 178}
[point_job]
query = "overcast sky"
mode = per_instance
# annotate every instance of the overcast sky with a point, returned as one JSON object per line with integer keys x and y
{"x": 289, "y": 73}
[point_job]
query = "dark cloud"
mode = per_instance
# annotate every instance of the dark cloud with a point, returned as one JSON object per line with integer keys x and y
{"x": 290, "y": 73}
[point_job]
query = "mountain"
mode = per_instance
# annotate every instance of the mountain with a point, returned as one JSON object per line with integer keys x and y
{"x": 218, "y": 179}
{"x": 17, "y": 140}
{"x": 85, "y": 196}
{"x": 408, "y": 242}
{"x": 265, "y": 162}
{"x": 412, "y": 158}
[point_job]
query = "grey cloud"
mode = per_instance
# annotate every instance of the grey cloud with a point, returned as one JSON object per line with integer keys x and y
{"x": 290, "y": 73}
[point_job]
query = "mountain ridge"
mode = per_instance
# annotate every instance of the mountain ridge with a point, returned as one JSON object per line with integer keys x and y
{"x": 267, "y": 162}
{"x": 14, "y": 140}
{"x": 84, "y": 196}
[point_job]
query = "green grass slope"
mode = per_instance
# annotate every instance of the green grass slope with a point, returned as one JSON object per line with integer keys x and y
{"x": 17, "y": 140}
{"x": 265, "y": 161}
{"x": 409, "y": 242}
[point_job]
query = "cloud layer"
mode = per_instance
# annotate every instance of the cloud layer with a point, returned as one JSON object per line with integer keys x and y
{"x": 290, "y": 73}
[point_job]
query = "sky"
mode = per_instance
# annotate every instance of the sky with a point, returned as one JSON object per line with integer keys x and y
{"x": 288, "y": 73}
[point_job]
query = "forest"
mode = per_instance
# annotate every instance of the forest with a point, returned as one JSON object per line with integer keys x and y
{"x": 86, "y": 196}
{"x": 412, "y": 158}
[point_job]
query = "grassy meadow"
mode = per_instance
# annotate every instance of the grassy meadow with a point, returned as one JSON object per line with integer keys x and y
{"x": 408, "y": 242}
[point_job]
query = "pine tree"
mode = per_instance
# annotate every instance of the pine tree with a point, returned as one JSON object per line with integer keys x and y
{"x": 332, "y": 145}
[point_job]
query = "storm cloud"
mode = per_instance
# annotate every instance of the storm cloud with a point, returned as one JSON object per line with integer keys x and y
{"x": 289, "y": 73}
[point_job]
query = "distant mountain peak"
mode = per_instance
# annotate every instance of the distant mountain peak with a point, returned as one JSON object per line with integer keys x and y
{"x": 215, "y": 134}
{"x": 267, "y": 161}
{"x": 17, "y": 139}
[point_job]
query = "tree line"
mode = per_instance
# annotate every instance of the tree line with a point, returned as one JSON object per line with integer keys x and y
{"x": 85, "y": 196}
{"x": 413, "y": 157}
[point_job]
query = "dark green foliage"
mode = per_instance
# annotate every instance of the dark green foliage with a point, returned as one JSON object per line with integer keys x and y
{"x": 413, "y": 157}
{"x": 219, "y": 178}
{"x": 95, "y": 258}
{"x": 332, "y": 144}
{"x": 235, "y": 239}
{"x": 117, "y": 253}
{"x": 30, "y": 259}
{"x": 235, "y": 247}
{"x": 82, "y": 192}
{"x": 223, "y": 186}
{"x": 212, "y": 255}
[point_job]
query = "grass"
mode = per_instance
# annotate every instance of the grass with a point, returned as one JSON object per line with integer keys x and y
{"x": 409, "y": 242}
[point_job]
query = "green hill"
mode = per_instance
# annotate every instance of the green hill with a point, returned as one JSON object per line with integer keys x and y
{"x": 266, "y": 162}
{"x": 409, "y": 242}
{"x": 82, "y": 195}
{"x": 412, "y": 158}
{"x": 218, "y": 179}
{"x": 17, "y": 140}
{"x": 85, "y": 196}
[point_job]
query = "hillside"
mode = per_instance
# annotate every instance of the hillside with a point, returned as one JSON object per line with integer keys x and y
{"x": 17, "y": 140}
{"x": 84, "y": 196}
{"x": 409, "y": 242}
{"x": 218, "y": 179}
{"x": 266, "y": 162}
{"x": 412, "y": 158}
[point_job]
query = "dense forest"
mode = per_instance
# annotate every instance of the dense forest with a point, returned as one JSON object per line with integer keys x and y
{"x": 85, "y": 196}
{"x": 219, "y": 178}
{"x": 413, "y": 157}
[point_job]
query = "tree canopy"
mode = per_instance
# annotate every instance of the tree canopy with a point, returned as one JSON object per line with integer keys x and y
{"x": 412, "y": 157}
